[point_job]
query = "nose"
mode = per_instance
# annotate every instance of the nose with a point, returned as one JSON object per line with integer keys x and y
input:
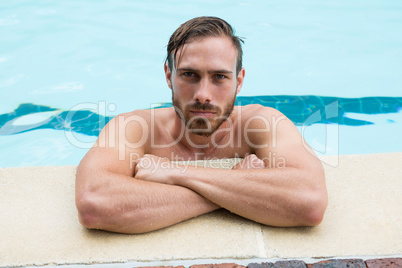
{"x": 202, "y": 93}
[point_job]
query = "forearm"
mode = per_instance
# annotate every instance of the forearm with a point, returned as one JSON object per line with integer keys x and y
{"x": 279, "y": 197}
{"x": 124, "y": 204}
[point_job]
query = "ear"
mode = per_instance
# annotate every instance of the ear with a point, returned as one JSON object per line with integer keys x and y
{"x": 168, "y": 76}
{"x": 240, "y": 79}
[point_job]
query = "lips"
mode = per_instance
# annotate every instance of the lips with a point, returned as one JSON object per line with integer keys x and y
{"x": 203, "y": 113}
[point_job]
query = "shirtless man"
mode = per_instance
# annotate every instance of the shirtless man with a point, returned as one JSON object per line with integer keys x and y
{"x": 128, "y": 181}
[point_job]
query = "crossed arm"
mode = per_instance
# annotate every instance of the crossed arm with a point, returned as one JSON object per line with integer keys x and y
{"x": 121, "y": 203}
{"x": 147, "y": 197}
{"x": 279, "y": 196}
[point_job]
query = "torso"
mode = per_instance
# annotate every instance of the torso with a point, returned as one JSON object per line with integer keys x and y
{"x": 232, "y": 144}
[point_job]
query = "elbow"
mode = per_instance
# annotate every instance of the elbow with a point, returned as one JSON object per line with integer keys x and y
{"x": 315, "y": 209}
{"x": 96, "y": 212}
{"x": 316, "y": 200}
{"x": 89, "y": 211}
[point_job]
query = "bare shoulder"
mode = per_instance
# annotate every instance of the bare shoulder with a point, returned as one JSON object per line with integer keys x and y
{"x": 133, "y": 129}
{"x": 258, "y": 109}
{"x": 271, "y": 132}
{"x": 138, "y": 121}
{"x": 269, "y": 119}
{"x": 256, "y": 115}
{"x": 123, "y": 139}
{"x": 147, "y": 115}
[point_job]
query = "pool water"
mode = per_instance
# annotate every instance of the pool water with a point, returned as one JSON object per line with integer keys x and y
{"x": 332, "y": 67}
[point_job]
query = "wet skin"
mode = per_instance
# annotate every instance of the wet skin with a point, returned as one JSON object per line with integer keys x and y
{"x": 128, "y": 183}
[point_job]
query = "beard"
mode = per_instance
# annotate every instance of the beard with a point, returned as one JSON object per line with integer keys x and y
{"x": 203, "y": 126}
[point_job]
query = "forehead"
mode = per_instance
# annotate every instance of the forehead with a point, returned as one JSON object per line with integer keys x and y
{"x": 208, "y": 52}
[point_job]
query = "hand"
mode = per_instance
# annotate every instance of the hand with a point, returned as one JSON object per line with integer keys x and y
{"x": 155, "y": 169}
{"x": 250, "y": 162}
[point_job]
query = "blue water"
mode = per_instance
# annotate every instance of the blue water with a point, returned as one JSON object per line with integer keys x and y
{"x": 83, "y": 55}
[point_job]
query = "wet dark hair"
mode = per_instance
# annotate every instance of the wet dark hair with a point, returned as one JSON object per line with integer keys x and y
{"x": 203, "y": 27}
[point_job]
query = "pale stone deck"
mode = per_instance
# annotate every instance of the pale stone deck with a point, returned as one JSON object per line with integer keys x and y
{"x": 39, "y": 225}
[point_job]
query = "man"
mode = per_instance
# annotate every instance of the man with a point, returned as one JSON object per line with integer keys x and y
{"x": 128, "y": 183}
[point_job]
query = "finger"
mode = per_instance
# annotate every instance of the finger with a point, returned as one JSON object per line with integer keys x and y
{"x": 240, "y": 164}
{"x": 256, "y": 163}
{"x": 260, "y": 164}
{"x": 237, "y": 166}
{"x": 136, "y": 169}
{"x": 139, "y": 162}
{"x": 250, "y": 157}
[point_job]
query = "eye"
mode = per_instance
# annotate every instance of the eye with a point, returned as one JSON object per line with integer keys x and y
{"x": 189, "y": 74}
{"x": 220, "y": 76}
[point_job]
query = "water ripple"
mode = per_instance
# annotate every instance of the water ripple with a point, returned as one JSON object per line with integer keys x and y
{"x": 10, "y": 20}
{"x": 11, "y": 81}
{"x": 62, "y": 88}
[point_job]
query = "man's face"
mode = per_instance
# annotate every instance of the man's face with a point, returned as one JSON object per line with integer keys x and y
{"x": 205, "y": 84}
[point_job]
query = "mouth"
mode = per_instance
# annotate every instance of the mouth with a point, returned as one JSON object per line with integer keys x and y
{"x": 202, "y": 113}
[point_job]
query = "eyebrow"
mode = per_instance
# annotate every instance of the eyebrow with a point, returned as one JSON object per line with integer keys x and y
{"x": 185, "y": 69}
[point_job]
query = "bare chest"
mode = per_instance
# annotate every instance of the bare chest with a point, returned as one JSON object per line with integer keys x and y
{"x": 226, "y": 146}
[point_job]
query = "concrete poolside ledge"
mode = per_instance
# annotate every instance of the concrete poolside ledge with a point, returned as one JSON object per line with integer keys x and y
{"x": 249, "y": 263}
{"x": 39, "y": 225}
